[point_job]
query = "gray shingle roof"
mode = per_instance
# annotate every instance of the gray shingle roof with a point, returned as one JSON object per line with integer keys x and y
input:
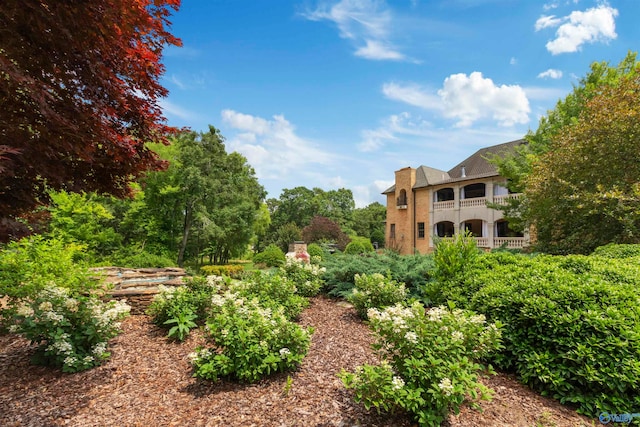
{"x": 475, "y": 166}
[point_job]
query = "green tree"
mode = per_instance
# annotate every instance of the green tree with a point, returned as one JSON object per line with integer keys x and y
{"x": 517, "y": 167}
{"x": 585, "y": 191}
{"x": 207, "y": 199}
{"x": 369, "y": 222}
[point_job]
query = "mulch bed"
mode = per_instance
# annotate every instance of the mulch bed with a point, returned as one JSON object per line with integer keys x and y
{"x": 148, "y": 382}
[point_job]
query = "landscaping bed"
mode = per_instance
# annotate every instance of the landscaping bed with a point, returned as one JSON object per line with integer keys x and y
{"x": 148, "y": 381}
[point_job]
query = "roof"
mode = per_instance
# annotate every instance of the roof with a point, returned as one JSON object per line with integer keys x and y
{"x": 475, "y": 166}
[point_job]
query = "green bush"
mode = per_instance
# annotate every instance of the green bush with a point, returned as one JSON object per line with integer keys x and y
{"x": 430, "y": 362}
{"x": 248, "y": 341}
{"x": 613, "y": 250}
{"x": 375, "y": 291}
{"x": 569, "y": 330}
{"x": 273, "y": 291}
{"x": 306, "y": 277}
{"x": 272, "y": 256}
{"x": 412, "y": 270}
{"x": 354, "y": 248}
{"x": 136, "y": 257}
{"x": 178, "y": 308}
{"x": 31, "y": 264}
{"x": 235, "y": 271}
{"x": 316, "y": 253}
{"x": 71, "y": 330}
{"x": 453, "y": 258}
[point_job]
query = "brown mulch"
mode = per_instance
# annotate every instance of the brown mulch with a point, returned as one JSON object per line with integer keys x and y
{"x": 148, "y": 382}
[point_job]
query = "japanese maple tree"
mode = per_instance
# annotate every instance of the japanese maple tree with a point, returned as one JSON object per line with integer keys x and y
{"x": 79, "y": 90}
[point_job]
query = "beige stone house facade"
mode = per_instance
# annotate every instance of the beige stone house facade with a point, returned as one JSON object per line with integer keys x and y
{"x": 427, "y": 202}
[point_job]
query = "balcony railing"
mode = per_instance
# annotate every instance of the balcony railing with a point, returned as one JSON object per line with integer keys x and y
{"x": 502, "y": 200}
{"x": 472, "y": 203}
{"x": 448, "y": 204}
{"x": 512, "y": 242}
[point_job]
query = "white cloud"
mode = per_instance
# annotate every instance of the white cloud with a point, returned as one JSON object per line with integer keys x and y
{"x": 513, "y": 61}
{"x": 596, "y": 24}
{"x": 376, "y": 50}
{"x": 544, "y": 93}
{"x": 272, "y": 147}
{"x": 550, "y": 74}
{"x": 403, "y": 124}
{"x": 169, "y": 108}
{"x": 412, "y": 94}
{"x": 546, "y": 22}
{"x": 467, "y": 99}
{"x": 367, "y": 23}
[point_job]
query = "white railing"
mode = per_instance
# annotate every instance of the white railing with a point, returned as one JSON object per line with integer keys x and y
{"x": 482, "y": 242}
{"x": 471, "y": 203}
{"x": 502, "y": 200}
{"x": 512, "y": 242}
{"x": 449, "y": 204}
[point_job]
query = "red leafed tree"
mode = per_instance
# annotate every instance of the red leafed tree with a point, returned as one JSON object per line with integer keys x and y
{"x": 79, "y": 90}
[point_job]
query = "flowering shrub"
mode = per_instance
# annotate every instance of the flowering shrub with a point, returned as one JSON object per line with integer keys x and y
{"x": 430, "y": 361}
{"x": 71, "y": 330}
{"x": 249, "y": 341}
{"x": 306, "y": 277}
{"x": 273, "y": 291}
{"x": 375, "y": 291}
{"x": 178, "y": 308}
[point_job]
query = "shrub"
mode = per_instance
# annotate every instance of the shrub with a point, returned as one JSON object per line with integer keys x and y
{"x": 430, "y": 361}
{"x": 570, "y": 331}
{"x": 31, "y": 264}
{"x": 375, "y": 291}
{"x": 178, "y": 308}
{"x": 234, "y": 271}
{"x": 248, "y": 342}
{"x": 71, "y": 330}
{"x": 452, "y": 258}
{"x": 272, "y": 256}
{"x": 316, "y": 253}
{"x": 412, "y": 270}
{"x": 135, "y": 257}
{"x": 273, "y": 291}
{"x": 613, "y": 250}
{"x": 354, "y": 248}
{"x": 306, "y": 277}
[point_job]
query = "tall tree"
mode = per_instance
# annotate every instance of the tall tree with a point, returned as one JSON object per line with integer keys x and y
{"x": 79, "y": 89}
{"x": 206, "y": 199}
{"x": 585, "y": 191}
{"x": 369, "y": 221}
{"x": 518, "y": 167}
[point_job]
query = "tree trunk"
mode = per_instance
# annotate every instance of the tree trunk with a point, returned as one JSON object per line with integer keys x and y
{"x": 188, "y": 214}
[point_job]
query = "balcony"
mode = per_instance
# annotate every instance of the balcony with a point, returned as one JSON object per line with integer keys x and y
{"x": 472, "y": 203}
{"x": 502, "y": 200}
{"x": 401, "y": 202}
{"x": 439, "y": 206}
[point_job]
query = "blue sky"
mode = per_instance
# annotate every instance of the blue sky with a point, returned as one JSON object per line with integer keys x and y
{"x": 340, "y": 94}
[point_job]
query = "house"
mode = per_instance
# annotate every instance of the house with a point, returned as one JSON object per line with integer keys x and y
{"x": 427, "y": 202}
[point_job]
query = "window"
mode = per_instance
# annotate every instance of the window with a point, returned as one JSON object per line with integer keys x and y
{"x": 421, "y": 230}
{"x": 443, "y": 195}
{"x": 444, "y": 229}
{"x": 402, "y": 200}
{"x": 392, "y": 232}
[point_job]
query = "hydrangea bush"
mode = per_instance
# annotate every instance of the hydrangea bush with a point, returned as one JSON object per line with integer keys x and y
{"x": 375, "y": 291}
{"x": 273, "y": 291}
{"x": 430, "y": 361}
{"x": 71, "y": 330}
{"x": 307, "y": 277}
{"x": 249, "y": 341}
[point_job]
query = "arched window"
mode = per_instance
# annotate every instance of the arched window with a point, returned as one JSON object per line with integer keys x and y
{"x": 503, "y": 230}
{"x": 473, "y": 191}
{"x": 443, "y": 195}
{"x": 444, "y": 229}
{"x": 475, "y": 226}
{"x": 402, "y": 199}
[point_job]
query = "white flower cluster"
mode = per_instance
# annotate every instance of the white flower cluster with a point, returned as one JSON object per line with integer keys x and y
{"x": 457, "y": 336}
{"x": 99, "y": 349}
{"x": 412, "y": 337}
{"x": 61, "y": 346}
{"x": 397, "y": 383}
{"x": 116, "y": 310}
{"x": 24, "y": 310}
{"x": 446, "y": 386}
{"x": 284, "y": 352}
